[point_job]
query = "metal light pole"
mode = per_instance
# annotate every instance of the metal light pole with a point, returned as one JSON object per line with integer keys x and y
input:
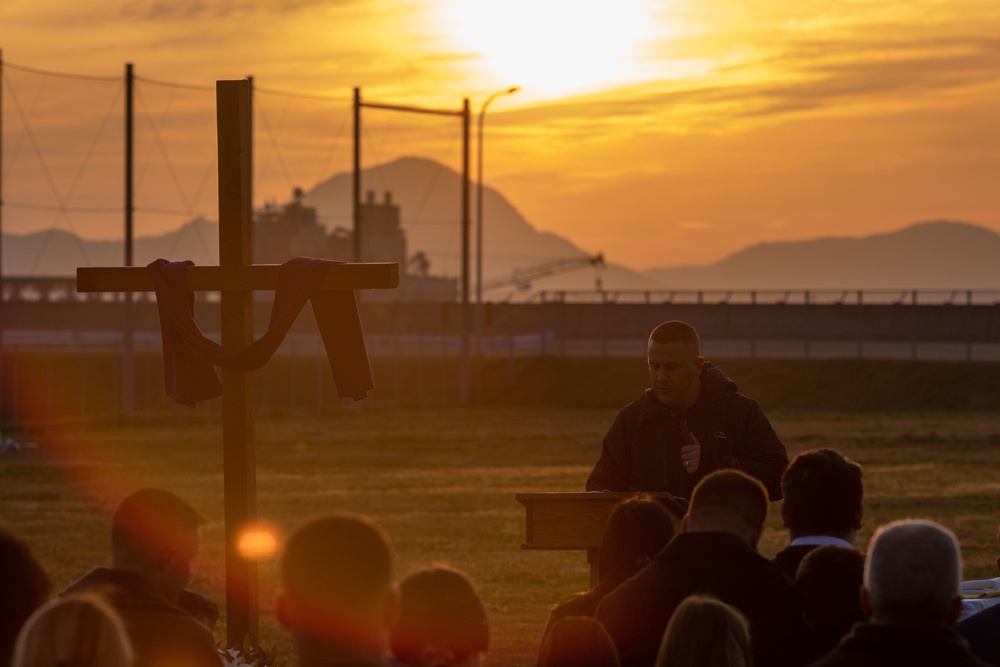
{"x": 479, "y": 198}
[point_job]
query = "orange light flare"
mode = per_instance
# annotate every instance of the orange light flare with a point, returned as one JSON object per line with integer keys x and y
{"x": 258, "y": 541}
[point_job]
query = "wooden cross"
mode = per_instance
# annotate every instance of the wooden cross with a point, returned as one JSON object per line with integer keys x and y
{"x": 236, "y": 277}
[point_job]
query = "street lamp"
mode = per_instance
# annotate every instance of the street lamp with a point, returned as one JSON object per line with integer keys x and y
{"x": 479, "y": 195}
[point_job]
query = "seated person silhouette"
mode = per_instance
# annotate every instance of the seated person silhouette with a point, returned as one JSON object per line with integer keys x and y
{"x": 26, "y": 588}
{"x": 638, "y": 529}
{"x": 74, "y": 630}
{"x": 705, "y": 632}
{"x": 155, "y": 537}
{"x": 910, "y": 597}
{"x": 823, "y": 504}
{"x": 715, "y": 553}
{"x": 827, "y": 586}
{"x": 337, "y": 595}
{"x": 442, "y": 621}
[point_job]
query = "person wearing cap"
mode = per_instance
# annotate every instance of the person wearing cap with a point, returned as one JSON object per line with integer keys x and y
{"x": 441, "y": 623}
{"x": 689, "y": 422}
{"x": 155, "y": 537}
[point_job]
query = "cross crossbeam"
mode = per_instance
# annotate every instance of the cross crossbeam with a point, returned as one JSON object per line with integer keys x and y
{"x": 374, "y": 275}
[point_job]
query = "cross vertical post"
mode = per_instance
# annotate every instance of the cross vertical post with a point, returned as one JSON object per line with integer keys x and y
{"x": 128, "y": 328}
{"x": 238, "y": 429}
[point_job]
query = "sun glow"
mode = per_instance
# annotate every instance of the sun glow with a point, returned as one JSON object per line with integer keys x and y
{"x": 554, "y": 47}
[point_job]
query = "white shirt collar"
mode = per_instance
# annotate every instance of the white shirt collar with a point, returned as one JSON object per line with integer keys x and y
{"x": 819, "y": 540}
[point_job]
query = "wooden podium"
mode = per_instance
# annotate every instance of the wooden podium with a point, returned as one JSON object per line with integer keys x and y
{"x": 576, "y": 520}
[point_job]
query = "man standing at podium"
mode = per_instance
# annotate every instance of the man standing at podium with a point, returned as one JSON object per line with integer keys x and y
{"x": 688, "y": 423}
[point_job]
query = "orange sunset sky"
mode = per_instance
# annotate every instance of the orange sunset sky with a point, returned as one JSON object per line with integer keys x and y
{"x": 660, "y": 133}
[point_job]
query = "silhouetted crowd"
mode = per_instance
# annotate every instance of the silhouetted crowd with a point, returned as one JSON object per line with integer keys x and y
{"x": 698, "y": 594}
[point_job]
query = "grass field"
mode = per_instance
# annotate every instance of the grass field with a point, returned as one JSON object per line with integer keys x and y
{"x": 442, "y": 483}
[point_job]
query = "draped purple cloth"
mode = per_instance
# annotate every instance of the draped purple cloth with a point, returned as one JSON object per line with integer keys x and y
{"x": 189, "y": 356}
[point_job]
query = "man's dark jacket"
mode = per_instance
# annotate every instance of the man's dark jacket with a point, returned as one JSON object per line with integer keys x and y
{"x": 871, "y": 645}
{"x": 162, "y": 635}
{"x": 641, "y": 451}
{"x": 714, "y": 563}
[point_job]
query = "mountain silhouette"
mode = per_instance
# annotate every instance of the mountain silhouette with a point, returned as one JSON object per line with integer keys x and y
{"x": 429, "y": 196}
{"x": 927, "y": 255}
{"x": 55, "y": 252}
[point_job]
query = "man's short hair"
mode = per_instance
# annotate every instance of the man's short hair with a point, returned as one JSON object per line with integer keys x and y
{"x": 675, "y": 330}
{"x": 913, "y": 573}
{"x": 704, "y": 630}
{"x": 732, "y": 493}
{"x": 826, "y": 587}
{"x": 153, "y": 521}
{"x": 823, "y": 493}
{"x": 440, "y": 614}
{"x": 638, "y": 529}
{"x": 337, "y": 562}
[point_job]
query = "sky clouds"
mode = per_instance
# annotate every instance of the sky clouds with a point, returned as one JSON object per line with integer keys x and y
{"x": 675, "y": 120}
{"x": 182, "y": 11}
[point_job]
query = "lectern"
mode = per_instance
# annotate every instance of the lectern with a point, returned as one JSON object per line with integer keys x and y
{"x": 576, "y": 520}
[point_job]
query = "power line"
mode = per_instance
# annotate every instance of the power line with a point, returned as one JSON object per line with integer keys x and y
{"x": 62, "y": 75}
{"x": 166, "y": 211}
{"x": 60, "y": 209}
{"x": 301, "y": 96}
{"x": 168, "y": 84}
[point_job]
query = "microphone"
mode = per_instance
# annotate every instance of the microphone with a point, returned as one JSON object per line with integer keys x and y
{"x": 681, "y": 417}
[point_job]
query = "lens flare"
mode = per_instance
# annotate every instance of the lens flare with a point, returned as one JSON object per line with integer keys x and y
{"x": 258, "y": 542}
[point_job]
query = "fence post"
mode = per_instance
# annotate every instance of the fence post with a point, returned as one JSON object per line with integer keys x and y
{"x": 968, "y": 327}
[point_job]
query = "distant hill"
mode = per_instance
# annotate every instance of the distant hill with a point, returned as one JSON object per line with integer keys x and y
{"x": 928, "y": 255}
{"x": 54, "y": 252}
{"x": 429, "y": 196}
